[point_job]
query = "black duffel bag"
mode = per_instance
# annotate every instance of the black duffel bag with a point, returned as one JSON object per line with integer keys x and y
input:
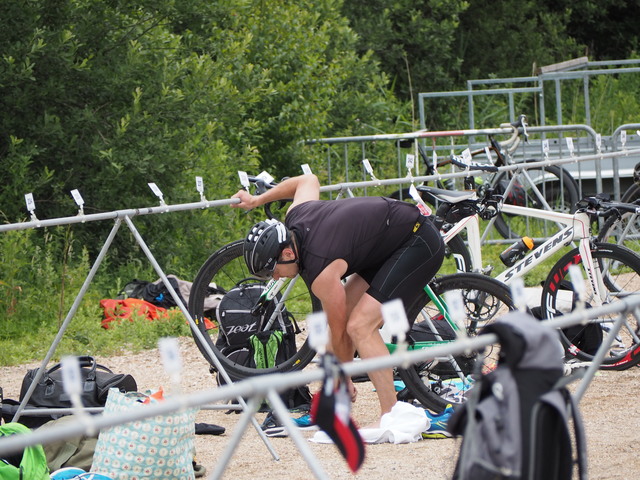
{"x": 96, "y": 380}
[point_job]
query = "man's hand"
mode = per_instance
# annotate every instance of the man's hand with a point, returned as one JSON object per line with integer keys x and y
{"x": 247, "y": 201}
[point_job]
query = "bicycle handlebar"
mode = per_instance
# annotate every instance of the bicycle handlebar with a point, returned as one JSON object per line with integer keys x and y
{"x": 262, "y": 186}
{"x": 458, "y": 161}
{"x": 601, "y": 206}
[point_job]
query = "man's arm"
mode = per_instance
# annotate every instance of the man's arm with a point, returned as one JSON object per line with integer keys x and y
{"x": 330, "y": 291}
{"x": 302, "y": 189}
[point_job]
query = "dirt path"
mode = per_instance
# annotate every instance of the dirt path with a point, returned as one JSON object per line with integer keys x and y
{"x": 611, "y": 410}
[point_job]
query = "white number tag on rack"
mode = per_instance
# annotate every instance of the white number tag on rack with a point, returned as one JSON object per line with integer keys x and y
{"x": 368, "y": 168}
{"x": 577, "y": 280}
{"x": 410, "y": 161}
{"x": 455, "y": 306}
{"x": 71, "y": 381}
{"x": 422, "y": 206}
{"x": 199, "y": 185}
{"x": 31, "y": 205}
{"x": 79, "y": 201}
{"x": 156, "y": 191}
{"x": 244, "y": 179}
{"x": 545, "y": 147}
{"x": 266, "y": 177}
{"x": 395, "y": 319}
{"x": 598, "y": 142}
{"x": 570, "y": 146}
{"x": 170, "y": 356}
{"x": 77, "y": 197}
{"x": 623, "y": 138}
{"x": 518, "y": 293}
{"x": 434, "y": 158}
{"x": 306, "y": 169}
{"x": 487, "y": 152}
{"x": 466, "y": 155}
{"x": 318, "y": 331}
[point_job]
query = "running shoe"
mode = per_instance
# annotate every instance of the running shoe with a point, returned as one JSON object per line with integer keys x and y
{"x": 305, "y": 422}
{"x": 438, "y": 426}
{"x": 272, "y": 427}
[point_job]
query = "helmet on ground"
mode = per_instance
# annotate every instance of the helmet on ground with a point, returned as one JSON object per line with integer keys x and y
{"x": 263, "y": 246}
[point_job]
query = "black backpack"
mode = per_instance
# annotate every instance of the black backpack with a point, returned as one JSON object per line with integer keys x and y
{"x": 516, "y": 420}
{"x": 244, "y": 337}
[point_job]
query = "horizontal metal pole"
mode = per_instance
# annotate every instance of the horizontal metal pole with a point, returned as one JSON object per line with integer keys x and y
{"x": 116, "y": 214}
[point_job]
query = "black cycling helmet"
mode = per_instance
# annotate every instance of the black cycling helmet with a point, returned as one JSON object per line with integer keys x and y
{"x": 263, "y": 246}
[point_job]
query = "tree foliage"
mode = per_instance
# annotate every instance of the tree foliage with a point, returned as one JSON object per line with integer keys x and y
{"x": 105, "y": 96}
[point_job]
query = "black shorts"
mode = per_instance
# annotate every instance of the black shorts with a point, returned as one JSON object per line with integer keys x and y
{"x": 405, "y": 273}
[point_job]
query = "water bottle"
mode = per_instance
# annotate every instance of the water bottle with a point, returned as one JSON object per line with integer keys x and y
{"x": 516, "y": 251}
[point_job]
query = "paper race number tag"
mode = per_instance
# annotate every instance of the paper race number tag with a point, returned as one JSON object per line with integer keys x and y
{"x": 31, "y": 204}
{"x": 244, "y": 179}
{"x": 266, "y": 177}
{"x": 455, "y": 306}
{"x": 518, "y": 294}
{"x": 77, "y": 197}
{"x": 318, "y": 331}
{"x": 71, "y": 381}
{"x": 577, "y": 280}
{"x": 570, "y": 146}
{"x": 422, "y": 206}
{"x": 170, "y": 355}
{"x": 466, "y": 156}
{"x": 395, "y": 319}
{"x": 410, "y": 161}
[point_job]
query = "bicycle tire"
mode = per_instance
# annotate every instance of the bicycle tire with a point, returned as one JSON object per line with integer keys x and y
{"x": 429, "y": 388}
{"x": 617, "y": 230}
{"x": 551, "y": 181}
{"x": 226, "y": 267}
{"x": 622, "y": 269}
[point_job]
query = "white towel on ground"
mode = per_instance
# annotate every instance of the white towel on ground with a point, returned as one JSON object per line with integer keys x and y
{"x": 403, "y": 424}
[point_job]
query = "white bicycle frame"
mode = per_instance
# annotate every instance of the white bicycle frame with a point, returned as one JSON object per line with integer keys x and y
{"x": 577, "y": 228}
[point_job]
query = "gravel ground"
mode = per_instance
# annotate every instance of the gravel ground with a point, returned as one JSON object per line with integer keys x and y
{"x": 610, "y": 409}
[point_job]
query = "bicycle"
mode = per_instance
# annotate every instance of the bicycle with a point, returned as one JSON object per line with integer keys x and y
{"x": 612, "y": 271}
{"x": 624, "y": 229}
{"x": 543, "y": 187}
{"x": 484, "y": 299}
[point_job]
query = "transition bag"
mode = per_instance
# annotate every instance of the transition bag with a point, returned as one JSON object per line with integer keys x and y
{"x": 245, "y": 336}
{"x": 516, "y": 421}
{"x": 30, "y": 464}
{"x": 97, "y": 380}
{"x": 159, "y": 447}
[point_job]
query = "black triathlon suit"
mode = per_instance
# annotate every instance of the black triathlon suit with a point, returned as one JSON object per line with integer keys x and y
{"x": 387, "y": 242}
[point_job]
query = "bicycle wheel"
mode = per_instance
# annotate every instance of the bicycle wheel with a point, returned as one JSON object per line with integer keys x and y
{"x": 620, "y": 268}
{"x": 224, "y": 269}
{"x": 626, "y": 230}
{"x": 554, "y": 184}
{"x": 485, "y": 300}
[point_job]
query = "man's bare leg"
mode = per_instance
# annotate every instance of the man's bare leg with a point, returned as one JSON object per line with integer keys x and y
{"x": 363, "y": 328}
